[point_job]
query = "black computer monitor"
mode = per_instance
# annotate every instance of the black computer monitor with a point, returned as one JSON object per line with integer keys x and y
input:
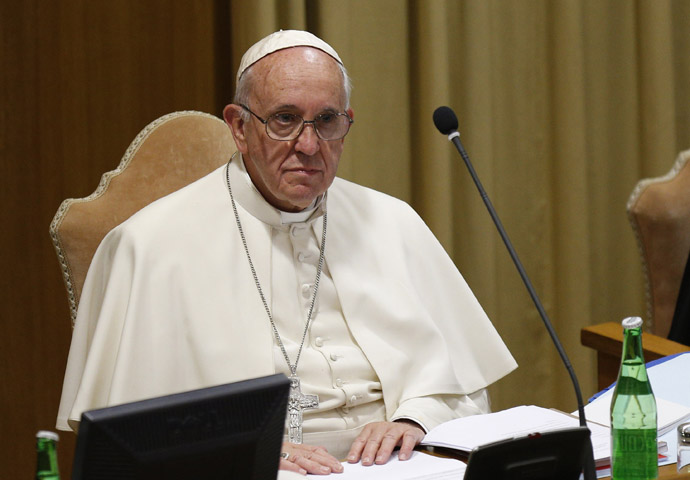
{"x": 223, "y": 432}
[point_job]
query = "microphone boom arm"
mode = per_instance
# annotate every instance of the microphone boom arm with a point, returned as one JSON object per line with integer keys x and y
{"x": 454, "y": 137}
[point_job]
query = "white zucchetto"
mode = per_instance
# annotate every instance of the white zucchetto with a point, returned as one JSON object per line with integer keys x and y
{"x": 280, "y": 40}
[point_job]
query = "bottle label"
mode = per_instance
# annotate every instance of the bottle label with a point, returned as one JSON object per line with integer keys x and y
{"x": 634, "y": 454}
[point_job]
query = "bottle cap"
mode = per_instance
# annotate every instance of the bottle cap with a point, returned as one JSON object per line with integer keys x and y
{"x": 48, "y": 434}
{"x": 684, "y": 433}
{"x": 632, "y": 322}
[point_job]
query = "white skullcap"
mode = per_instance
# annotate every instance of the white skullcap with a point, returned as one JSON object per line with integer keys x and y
{"x": 280, "y": 40}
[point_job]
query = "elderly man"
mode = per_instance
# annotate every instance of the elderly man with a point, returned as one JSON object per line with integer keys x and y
{"x": 272, "y": 264}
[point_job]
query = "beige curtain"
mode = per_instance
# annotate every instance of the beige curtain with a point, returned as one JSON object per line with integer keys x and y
{"x": 563, "y": 106}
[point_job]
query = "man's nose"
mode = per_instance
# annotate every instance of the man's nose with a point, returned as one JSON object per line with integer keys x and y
{"x": 308, "y": 140}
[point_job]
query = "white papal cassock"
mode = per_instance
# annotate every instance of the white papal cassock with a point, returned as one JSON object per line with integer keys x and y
{"x": 170, "y": 304}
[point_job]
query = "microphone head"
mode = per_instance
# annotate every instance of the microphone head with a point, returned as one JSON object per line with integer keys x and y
{"x": 445, "y": 120}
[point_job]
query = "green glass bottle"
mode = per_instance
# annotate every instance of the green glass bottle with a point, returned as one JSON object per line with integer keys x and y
{"x": 634, "y": 454}
{"x": 46, "y": 456}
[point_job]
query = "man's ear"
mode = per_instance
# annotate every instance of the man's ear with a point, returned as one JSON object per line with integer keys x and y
{"x": 232, "y": 114}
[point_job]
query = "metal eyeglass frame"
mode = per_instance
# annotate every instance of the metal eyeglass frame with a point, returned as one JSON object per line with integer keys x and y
{"x": 301, "y": 129}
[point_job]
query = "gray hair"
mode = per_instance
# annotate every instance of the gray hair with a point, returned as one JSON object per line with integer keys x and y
{"x": 246, "y": 84}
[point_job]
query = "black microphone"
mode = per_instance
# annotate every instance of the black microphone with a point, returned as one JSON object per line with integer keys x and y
{"x": 447, "y": 123}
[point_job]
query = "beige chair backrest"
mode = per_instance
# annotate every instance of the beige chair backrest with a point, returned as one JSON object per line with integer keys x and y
{"x": 168, "y": 154}
{"x": 659, "y": 212}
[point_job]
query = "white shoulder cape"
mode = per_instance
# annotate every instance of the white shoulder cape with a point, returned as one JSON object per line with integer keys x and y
{"x": 169, "y": 303}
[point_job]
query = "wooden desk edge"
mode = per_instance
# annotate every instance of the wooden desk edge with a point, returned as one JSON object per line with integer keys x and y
{"x": 667, "y": 472}
{"x": 607, "y": 338}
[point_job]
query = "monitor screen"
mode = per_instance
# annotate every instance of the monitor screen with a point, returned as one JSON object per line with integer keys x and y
{"x": 226, "y": 431}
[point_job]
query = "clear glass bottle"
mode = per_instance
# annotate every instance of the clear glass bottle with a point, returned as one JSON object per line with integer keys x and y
{"x": 634, "y": 454}
{"x": 46, "y": 456}
{"x": 683, "y": 464}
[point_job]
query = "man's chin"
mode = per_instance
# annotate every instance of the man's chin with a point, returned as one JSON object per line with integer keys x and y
{"x": 297, "y": 203}
{"x": 301, "y": 196}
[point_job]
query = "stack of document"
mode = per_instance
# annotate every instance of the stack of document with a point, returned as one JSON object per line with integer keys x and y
{"x": 467, "y": 433}
{"x": 669, "y": 414}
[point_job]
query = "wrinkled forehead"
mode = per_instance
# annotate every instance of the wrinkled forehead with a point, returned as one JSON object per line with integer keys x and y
{"x": 290, "y": 74}
{"x": 279, "y": 41}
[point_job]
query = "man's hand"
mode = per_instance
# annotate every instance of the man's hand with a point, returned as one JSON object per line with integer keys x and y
{"x": 377, "y": 441}
{"x": 308, "y": 459}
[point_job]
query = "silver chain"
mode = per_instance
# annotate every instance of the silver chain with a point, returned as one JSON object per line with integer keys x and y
{"x": 293, "y": 368}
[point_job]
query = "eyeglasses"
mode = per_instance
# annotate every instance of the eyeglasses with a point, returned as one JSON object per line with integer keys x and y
{"x": 288, "y": 126}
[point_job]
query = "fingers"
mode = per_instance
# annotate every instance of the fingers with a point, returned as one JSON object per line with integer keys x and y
{"x": 309, "y": 459}
{"x": 370, "y": 438}
{"x": 293, "y": 467}
{"x": 317, "y": 464}
{"x": 379, "y": 450}
{"x": 367, "y": 443}
{"x": 378, "y": 440}
{"x": 410, "y": 440}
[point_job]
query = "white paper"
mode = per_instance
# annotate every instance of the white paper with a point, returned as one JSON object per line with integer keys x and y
{"x": 670, "y": 379}
{"x": 420, "y": 466}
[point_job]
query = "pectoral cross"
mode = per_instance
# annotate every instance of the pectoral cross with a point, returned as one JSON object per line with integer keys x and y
{"x": 297, "y": 403}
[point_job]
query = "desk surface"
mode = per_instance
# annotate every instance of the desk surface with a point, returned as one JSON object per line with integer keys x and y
{"x": 668, "y": 472}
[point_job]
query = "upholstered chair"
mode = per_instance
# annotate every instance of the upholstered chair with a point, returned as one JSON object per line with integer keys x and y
{"x": 168, "y": 154}
{"x": 659, "y": 213}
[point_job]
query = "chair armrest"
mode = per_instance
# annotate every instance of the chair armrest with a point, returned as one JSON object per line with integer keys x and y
{"x": 607, "y": 340}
